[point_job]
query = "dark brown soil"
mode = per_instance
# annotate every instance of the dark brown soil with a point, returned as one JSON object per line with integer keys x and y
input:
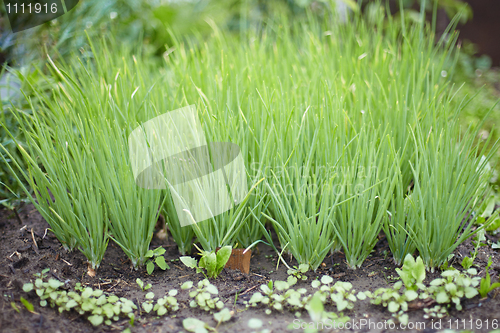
{"x": 19, "y": 260}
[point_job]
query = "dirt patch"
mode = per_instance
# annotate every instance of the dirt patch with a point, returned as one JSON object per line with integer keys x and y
{"x": 20, "y": 259}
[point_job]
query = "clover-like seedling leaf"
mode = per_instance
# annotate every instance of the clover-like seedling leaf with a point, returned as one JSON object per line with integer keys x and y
{"x": 362, "y": 296}
{"x": 149, "y": 254}
{"x": 87, "y": 292}
{"x": 303, "y": 268}
{"x": 160, "y": 261}
{"x": 150, "y": 267}
{"x": 393, "y": 306}
{"x": 315, "y": 284}
{"x": 325, "y": 279}
{"x": 97, "y": 293}
{"x": 212, "y": 289}
{"x": 194, "y": 325}
{"x": 159, "y": 251}
{"x": 442, "y": 297}
{"x": 147, "y": 307}
{"x": 27, "y": 287}
{"x": 266, "y": 289}
{"x": 281, "y": 285}
{"x": 187, "y": 285}
{"x": 411, "y": 295}
{"x": 96, "y": 320}
{"x": 54, "y": 284}
{"x": 291, "y": 280}
{"x": 470, "y": 292}
{"x": 189, "y": 262}
{"x": 223, "y": 315}
{"x": 256, "y": 298}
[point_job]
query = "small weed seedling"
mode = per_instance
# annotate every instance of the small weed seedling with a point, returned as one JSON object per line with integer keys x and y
{"x": 467, "y": 262}
{"x": 395, "y": 302}
{"x": 485, "y": 285}
{"x": 142, "y": 286}
{"x": 156, "y": 257}
{"x": 212, "y": 262}
{"x": 453, "y": 286}
{"x": 297, "y": 273}
{"x": 203, "y": 295}
{"x": 167, "y": 303}
{"x": 270, "y": 297}
{"x": 163, "y": 305}
{"x": 340, "y": 293}
{"x": 148, "y": 304}
{"x": 412, "y": 273}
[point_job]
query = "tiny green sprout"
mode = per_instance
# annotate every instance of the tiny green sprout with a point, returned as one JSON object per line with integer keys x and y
{"x": 27, "y": 305}
{"x": 15, "y": 307}
{"x": 96, "y": 320}
{"x": 148, "y": 304}
{"x": 43, "y": 274}
{"x": 27, "y": 287}
{"x": 202, "y": 295}
{"x": 297, "y": 273}
{"x": 167, "y": 303}
{"x": 467, "y": 262}
{"x": 187, "y": 285}
{"x": 485, "y": 285}
{"x": 142, "y": 286}
{"x": 156, "y": 257}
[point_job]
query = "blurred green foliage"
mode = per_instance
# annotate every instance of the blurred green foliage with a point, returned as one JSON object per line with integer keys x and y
{"x": 474, "y": 77}
{"x": 149, "y": 22}
{"x": 451, "y": 7}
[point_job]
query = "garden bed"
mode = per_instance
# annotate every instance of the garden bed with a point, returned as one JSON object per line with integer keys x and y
{"x": 19, "y": 261}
